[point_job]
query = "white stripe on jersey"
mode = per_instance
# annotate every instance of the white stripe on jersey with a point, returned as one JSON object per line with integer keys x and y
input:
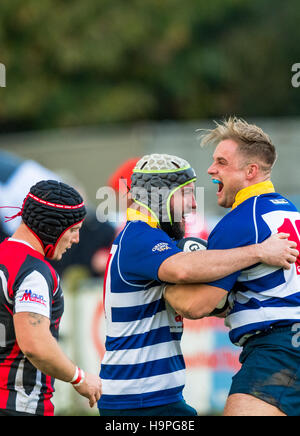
{"x": 136, "y": 298}
{"x": 262, "y": 314}
{"x": 141, "y": 355}
{"x": 257, "y": 272}
{"x": 147, "y": 384}
{"x": 289, "y": 287}
{"x": 107, "y": 284}
{"x": 24, "y": 402}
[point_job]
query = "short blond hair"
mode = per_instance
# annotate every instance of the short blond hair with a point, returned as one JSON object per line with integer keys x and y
{"x": 253, "y": 142}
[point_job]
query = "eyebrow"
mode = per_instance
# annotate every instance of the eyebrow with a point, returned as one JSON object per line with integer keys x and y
{"x": 221, "y": 159}
{"x": 76, "y": 228}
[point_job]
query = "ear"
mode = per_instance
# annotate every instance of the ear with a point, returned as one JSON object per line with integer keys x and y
{"x": 252, "y": 171}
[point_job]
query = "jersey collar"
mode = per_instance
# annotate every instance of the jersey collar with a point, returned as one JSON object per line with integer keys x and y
{"x": 136, "y": 215}
{"x": 252, "y": 191}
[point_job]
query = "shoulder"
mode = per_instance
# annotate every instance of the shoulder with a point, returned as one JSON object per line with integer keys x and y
{"x": 274, "y": 202}
{"x": 135, "y": 231}
{"x": 236, "y": 228}
{"x": 38, "y": 272}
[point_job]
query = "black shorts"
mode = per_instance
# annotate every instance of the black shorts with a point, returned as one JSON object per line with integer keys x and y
{"x": 271, "y": 369}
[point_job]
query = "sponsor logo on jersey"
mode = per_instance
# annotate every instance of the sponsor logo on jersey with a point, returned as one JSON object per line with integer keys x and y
{"x": 33, "y": 298}
{"x": 279, "y": 201}
{"x": 162, "y": 246}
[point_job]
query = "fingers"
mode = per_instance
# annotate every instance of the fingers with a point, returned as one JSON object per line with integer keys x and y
{"x": 294, "y": 253}
{"x": 93, "y": 399}
{"x": 286, "y": 236}
{"x": 283, "y": 235}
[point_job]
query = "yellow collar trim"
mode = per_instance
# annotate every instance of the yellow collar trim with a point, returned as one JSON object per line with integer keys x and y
{"x": 136, "y": 215}
{"x": 252, "y": 191}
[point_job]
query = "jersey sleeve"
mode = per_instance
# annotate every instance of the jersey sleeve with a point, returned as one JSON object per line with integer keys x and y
{"x": 237, "y": 229}
{"x": 33, "y": 291}
{"x": 142, "y": 250}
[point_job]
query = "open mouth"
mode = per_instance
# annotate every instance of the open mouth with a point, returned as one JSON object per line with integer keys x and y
{"x": 220, "y": 185}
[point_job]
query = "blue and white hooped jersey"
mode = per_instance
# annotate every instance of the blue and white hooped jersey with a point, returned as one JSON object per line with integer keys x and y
{"x": 143, "y": 364}
{"x": 263, "y": 295}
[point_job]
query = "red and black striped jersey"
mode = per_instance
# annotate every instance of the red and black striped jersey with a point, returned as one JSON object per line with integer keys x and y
{"x": 28, "y": 283}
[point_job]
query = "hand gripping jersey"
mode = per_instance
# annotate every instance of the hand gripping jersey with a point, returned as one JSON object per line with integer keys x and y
{"x": 27, "y": 284}
{"x": 262, "y": 295}
{"x": 143, "y": 365}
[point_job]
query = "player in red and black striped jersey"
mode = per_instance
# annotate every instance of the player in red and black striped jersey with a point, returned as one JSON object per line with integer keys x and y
{"x": 28, "y": 283}
{"x": 31, "y": 303}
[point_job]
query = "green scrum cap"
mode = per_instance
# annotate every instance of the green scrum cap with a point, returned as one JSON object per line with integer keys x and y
{"x": 155, "y": 178}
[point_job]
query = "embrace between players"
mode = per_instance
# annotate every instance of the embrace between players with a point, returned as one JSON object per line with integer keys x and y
{"x": 247, "y": 273}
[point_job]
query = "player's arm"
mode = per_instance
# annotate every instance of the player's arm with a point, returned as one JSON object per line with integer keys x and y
{"x": 194, "y": 301}
{"x": 42, "y": 350}
{"x": 210, "y": 265}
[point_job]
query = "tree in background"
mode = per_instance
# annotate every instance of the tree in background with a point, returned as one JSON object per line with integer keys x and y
{"x": 75, "y": 63}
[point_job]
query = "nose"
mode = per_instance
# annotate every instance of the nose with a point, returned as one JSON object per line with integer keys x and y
{"x": 75, "y": 239}
{"x": 194, "y": 203}
{"x": 212, "y": 169}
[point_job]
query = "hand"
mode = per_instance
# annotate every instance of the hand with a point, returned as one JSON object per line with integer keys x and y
{"x": 278, "y": 250}
{"x": 91, "y": 388}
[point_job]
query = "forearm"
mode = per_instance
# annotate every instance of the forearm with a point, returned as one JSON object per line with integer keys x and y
{"x": 51, "y": 360}
{"x": 208, "y": 265}
{"x": 42, "y": 350}
{"x": 216, "y": 264}
{"x": 193, "y": 301}
{"x": 40, "y": 347}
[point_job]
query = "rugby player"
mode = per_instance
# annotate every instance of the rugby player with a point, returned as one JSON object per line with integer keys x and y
{"x": 32, "y": 304}
{"x": 143, "y": 371}
{"x": 263, "y": 301}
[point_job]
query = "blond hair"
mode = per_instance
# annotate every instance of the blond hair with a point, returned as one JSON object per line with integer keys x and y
{"x": 253, "y": 142}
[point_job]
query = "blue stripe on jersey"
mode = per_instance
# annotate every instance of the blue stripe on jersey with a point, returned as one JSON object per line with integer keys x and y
{"x": 253, "y": 303}
{"x": 141, "y": 370}
{"x": 155, "y": 336}
{"x": 268, "y": 281}
{"x": 154, "y": 398}
{"x": 237, "y": 333}
{"x": 134, "y": 313}
{"x": 134, "y": 286}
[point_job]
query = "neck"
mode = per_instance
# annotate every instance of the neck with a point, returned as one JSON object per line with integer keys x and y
{"x": 23, "y": 233}
{"x": 259, "y": 188}
{"x": 137, "y": 211}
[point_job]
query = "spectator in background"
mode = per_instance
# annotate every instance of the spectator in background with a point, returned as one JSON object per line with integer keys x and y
{"x": 120, "y": 182}
{"x": 16, "y": 177}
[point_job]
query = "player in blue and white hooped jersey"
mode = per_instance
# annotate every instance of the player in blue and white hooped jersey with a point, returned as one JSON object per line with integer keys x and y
{"x": 143, "y": 370}
{"x": 264, "y": 312}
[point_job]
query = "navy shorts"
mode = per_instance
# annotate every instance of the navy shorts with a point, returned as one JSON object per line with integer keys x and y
{"x": 271, "y": 369}
{"x": 180, "y": 408}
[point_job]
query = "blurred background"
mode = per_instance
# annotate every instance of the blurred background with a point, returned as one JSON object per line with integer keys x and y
{"x": 92, "y": 84}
